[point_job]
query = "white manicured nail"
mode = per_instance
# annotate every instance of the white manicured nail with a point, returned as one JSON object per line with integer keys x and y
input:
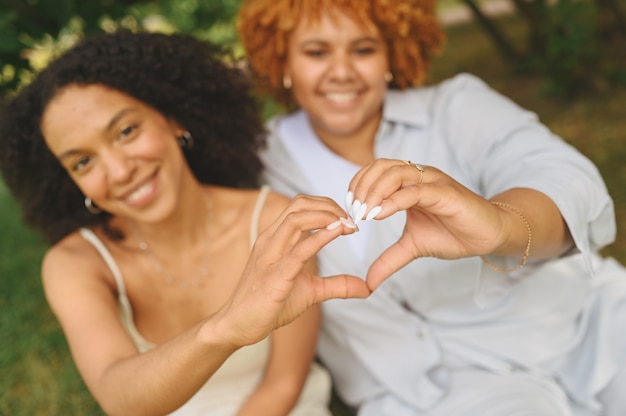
{"x": 358, "y": 216}
{"x": 355, "y": 208}
{"x": 349, "y": 199}
{"x": 348, "y": 223}
{"x": 373, "y": 213}
{"x": 334, "y": 225}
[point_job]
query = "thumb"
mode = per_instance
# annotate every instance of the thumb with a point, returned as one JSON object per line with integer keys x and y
{"x": 389, "y": 262}
{"x": 341, "y": 287}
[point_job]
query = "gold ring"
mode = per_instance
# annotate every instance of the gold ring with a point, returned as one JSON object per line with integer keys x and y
{"x": 419, "y": 167}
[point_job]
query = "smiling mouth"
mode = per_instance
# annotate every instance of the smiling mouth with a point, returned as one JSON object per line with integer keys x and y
{"x": 341, "y": 97}
{"x": 141, "y": 192}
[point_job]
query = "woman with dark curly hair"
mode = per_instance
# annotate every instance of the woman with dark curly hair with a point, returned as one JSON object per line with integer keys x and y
{"x": 136, "y": 157}
{"x": 491, "y": 310}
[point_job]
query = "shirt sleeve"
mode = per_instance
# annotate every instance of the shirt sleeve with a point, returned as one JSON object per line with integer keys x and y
{"x": 502, "y": 146}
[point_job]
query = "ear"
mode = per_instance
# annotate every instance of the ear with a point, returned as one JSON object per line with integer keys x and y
{"x": 286, "y": 81}
{"x": 175, "y": 127}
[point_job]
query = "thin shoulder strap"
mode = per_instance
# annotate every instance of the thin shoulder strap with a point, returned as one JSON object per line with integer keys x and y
{"x": 91, "y": 237}
{"x": 256, "y": 214}
{"x": 126, "y": 311}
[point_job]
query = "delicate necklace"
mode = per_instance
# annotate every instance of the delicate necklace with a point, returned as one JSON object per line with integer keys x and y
{"x": 203, "y": 270}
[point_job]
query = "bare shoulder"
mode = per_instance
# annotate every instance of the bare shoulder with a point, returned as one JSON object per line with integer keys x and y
{"x": 276, "y": 202}
{"x": 72, "y": 250}
{"x": 72, "y": 265}
{"x": 273, "y": 207}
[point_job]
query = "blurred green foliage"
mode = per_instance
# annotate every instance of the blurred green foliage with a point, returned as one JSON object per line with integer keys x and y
{"x": 31, "y": 31}
{"x": 568, "y": 42}
{"x": 38, "y": 374}
{"x": 574, "y": 44}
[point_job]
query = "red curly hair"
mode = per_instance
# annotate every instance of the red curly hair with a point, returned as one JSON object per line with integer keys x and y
{"x": 409, "y": 28}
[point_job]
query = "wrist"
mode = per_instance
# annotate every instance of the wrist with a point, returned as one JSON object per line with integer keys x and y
{"x": 514, "y": 246}
{"x": 217, "y": 334}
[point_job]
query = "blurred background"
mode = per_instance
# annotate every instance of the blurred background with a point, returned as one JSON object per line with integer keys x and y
{"x": 563, "y": 59}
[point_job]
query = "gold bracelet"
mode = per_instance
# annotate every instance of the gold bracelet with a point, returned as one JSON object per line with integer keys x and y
{"x": 526, "y": 252}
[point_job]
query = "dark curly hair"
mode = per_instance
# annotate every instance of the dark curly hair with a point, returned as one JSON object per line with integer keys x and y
{"x": 182, "y": 77}
{"x": 410, "y": 29}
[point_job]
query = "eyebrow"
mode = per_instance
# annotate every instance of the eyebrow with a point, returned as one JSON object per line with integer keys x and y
{"x": 316, "y": 40}
{"x": 120, "y": 114}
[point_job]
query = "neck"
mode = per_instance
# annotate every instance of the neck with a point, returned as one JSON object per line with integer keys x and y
{"x": 185, "y": 227}
{"x": 356, "y": 147}
{"x": 191, "y": 247}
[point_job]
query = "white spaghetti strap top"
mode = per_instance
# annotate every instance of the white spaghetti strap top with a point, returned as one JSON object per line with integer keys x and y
{"x": 126, "y": 310}
{"x": 256, "y": 214}
{"x": 227, "y": 389}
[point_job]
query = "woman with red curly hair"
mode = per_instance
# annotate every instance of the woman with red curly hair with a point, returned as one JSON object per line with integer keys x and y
{"x": 491, "y": 239}
{"x": 410, "y": 32}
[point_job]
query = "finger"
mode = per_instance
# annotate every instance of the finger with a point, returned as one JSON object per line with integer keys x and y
{"x": 340, "y": 287}
{"x": 298, "y": 224}
{"x": 373, "y": 169}
{"x": 304, "y": 203}
{"x": 390, "y": 261}
{"x": 380, "y": 181}
{"x": 400, "y": 200}
{"x": 380, "y": 203}
{"x": 356, "y": 205}
{"x": 306, "y": 248}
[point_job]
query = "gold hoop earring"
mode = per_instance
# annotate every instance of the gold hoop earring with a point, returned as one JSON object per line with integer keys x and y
{"x": 388, "y": 77}
{"x": 287, "y": 82}
{"x": 91, "y": 207}
{"x": 185, "y": 140}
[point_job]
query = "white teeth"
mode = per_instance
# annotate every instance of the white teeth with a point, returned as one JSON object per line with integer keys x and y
{"x": 341, "y": 97}
{"x": 141, "y": 192}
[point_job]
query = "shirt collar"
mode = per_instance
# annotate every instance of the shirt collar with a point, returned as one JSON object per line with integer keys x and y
{"x": 408, "y": 106}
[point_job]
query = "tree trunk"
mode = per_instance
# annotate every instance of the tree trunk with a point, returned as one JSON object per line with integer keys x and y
{"x": 537, "y": 17}
{"x": 504, "y": 46}
{"x": 614, "y": 9}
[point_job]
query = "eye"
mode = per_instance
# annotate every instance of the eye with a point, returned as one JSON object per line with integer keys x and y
{"x": 315, "y": 53}
{"x": 127, "y": 132}
{"x": 365, "y": 50}
{"x": 81, "y": 164}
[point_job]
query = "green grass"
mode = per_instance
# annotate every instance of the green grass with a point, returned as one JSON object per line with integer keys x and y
{"x": 38, "y": 376}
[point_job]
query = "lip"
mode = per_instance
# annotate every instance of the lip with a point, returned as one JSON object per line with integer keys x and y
{"x": 341, "y": 98}
{"x": 141, "y": 194}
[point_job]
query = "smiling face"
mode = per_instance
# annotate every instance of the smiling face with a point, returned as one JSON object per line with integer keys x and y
{"x": 337, "y": 68}
{"x": 120, "y": 152}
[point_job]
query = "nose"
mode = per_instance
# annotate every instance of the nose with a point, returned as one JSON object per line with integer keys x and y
{"x": 118, "y": 166}
{"x": 341, "y": 68}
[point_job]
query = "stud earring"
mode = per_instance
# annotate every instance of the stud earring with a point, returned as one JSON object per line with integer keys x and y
{"x": 185, "y": 140}
{"x": 287, "y": 82}
{"x": 91, "y": 207}
{"x": 388, "y": 77}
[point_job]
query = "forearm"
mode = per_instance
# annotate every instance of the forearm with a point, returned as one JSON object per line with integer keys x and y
{"x": 275, "y": 397}
{"x": 529, "y": 214}
{"x": 161, "y": 380}
{"x": 288, "y": 368}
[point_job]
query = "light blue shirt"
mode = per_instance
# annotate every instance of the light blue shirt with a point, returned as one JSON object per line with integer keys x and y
{"x": 408, "y": 348}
